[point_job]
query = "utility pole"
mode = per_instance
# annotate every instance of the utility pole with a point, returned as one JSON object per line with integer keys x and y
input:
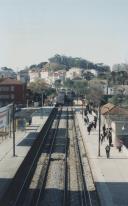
{"x": 13, "y": 122}
{"x": 99, "y": 138}
{"x": 42, "y": 99}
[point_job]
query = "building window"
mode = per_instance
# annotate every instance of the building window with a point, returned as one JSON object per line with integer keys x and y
{"x": 4, "y": 96}
{"x": 4, "y": 89}
{"x": 12, "y": 88}
{"x": 12, "y": 96}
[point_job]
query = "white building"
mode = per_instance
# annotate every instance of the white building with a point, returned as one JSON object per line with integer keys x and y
{"x": 23, "y": 76}
{"x": 108, "y": 90}
{"x": 58, "y": 75}
{"x": 34, "y": 75}
{"x": 93, "y": 71}
{"x": 73, "y": 73}
{"x": 44, "y": 74}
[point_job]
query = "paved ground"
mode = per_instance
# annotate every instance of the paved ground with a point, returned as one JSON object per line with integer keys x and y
{"x": 110, "y": 175}
{"x": 8, "y": 163}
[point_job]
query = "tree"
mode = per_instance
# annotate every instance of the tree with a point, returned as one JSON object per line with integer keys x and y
{"x": 80, "y": 86}
{"x": 69, "y": 62}
{"x": 54, "y": 67}
{"x": 57, "y": 83}
{"x": 95, "y": 92}
{"x": 68, "y": 84}
{"x": 37, "y": 86}
{"x": 119, "y": 77}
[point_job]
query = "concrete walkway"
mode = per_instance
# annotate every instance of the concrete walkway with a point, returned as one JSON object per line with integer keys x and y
{"x": 110, "y": 175}
{"x": 8, "y": 163}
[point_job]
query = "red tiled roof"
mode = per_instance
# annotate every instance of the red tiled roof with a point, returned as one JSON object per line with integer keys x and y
{"x": 113, "y": 110}
{"x": 119, "y": 111}
{"x": 9, "y": 81}
{"x": 107, "y": 108}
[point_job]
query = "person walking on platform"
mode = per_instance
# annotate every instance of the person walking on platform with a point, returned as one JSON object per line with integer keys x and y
{"x": 120, "y": 145}
{"x": 89, "y": 127}
{"x": 104, "y": 130}
{"x": 107, "y": 148}
{"x": 102, "y": 138}
{"x": 110, "y": 138}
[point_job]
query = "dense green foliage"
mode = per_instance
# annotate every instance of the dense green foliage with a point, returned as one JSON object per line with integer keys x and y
{"x": 37, "y": 66}
{"x": 119, "y": 77}
{"x": 77, "y": 62}
{"x": 78, "y": 86}
{"x": 54, "y": 67}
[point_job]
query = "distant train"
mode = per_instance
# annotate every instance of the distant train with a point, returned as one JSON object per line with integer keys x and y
{"x": 60, "y": 99}
{"x": 70, "y": 96}
{"x": 65, "y": 97}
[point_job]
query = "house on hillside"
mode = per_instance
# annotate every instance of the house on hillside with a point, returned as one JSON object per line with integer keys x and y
{"x": 73, "y": 73}
{"x": 116, "y": 117}
{"x": 23, "y": 76}
{"x": 120, "y": 89}
{"x": 57, "y": 75}
{"x": 34, "y": 75}
{"x": 44, "y": 75}
{"x": 12, "y": 90}
{"x": 93, "y": 71}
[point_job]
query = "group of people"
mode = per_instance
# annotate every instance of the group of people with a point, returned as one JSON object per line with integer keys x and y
{"x": 106, "y": 132}
{"x": 91, "y": 124}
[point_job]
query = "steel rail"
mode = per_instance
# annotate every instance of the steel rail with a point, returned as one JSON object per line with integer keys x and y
{"x": 8, "y": 200}
{"x": 88, "y": 165}
{"x": 85, "y": 194}
{"x": 77, "y": 163}
{"x": 65, "y": 198}
{"x": 42, "y": 189}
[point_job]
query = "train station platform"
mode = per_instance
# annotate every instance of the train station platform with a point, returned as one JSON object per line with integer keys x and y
{"x": 9, "y": 163}
{"x": 110, "y": 175}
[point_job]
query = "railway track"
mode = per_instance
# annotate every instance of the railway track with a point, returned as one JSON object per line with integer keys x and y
{"x": 53, "y": 171}
{"x": 82, "y": 191}
{"x": 85, "y": 198}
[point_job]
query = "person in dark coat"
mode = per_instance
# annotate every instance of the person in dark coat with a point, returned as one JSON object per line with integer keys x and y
{"x": 107, "y": 149}
{"x": 104, "y": 129}
{"x": 89, "y": 128}
{"x": 102, "y": 138}
{"x": 94, "y": 124}
{"x": 85, "y": 112}
{"x": 30, "y": 121}
{"x": 110, "y": 138}
{"x": 95, "y": 119}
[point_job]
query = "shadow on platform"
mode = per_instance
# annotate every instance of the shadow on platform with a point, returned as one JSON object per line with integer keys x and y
{"x": 29, "y": 139}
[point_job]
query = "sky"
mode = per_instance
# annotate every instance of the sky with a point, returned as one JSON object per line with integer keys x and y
{"x": 31, "y": 31}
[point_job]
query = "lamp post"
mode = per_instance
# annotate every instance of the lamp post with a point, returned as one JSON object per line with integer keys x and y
{"x": 99, "y": 138}
{"x": 13, "y": 120}
{"x": 42, "y": 98}
{"x": 12, "y": 106}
